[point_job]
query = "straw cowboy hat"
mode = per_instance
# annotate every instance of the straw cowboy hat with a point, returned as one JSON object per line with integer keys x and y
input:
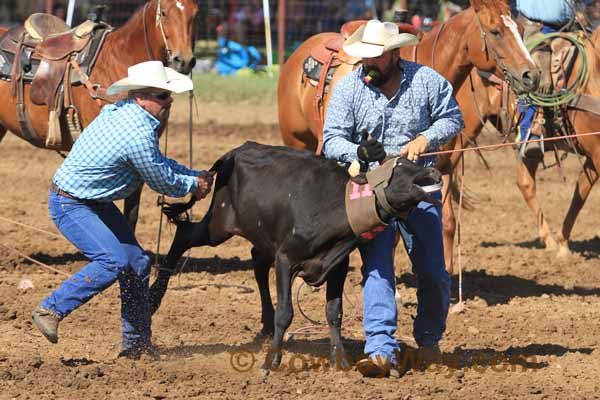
{"x": 376, "y": 37}
{"x": 152, "y": 74}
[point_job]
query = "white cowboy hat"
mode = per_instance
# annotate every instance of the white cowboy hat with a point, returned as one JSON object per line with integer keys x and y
{"x": 151, "y": 74}
{"x": 376, "y": 37}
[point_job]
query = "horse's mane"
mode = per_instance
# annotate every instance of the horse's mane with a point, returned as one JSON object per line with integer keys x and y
{"x": 501, "y": 6}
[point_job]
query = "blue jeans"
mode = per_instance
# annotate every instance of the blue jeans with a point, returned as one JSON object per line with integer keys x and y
{"x": 422, "y": 235}
{"x": 528, "y": 111}
{"x": 102, "y": 234}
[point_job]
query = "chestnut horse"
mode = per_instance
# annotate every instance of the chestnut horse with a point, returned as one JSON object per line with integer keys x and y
{"x": 168, "y": 37}
{"x": 487, "y": 99}
{"x": 483, "y": 36}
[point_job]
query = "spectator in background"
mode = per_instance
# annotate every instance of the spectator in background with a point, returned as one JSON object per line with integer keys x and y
{"x": 59, "y": 11}
{"x": 359, "y": 9}
{"x": 295, "y": 20}
{"x": 398, "y": 12}
{"x": 256, "y": 24}
{"x": 448, "y": 10}
{"x": 423, "y": 13}
{"x": 333, "y": 13}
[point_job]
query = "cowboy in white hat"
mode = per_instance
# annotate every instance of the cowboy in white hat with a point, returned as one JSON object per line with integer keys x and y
{"x": 407, "y": 109}
{"x": 111, "y": 159}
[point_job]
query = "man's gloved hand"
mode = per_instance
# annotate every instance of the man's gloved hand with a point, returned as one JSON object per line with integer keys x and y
{"x": 370, "y": 150}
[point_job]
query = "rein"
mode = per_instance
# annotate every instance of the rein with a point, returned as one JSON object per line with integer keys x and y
{"x": 435, "y": 41}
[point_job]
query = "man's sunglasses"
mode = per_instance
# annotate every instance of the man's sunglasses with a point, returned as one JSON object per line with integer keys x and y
{"x": 161, "y": 96}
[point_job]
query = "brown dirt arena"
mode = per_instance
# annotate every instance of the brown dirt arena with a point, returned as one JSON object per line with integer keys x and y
{"x": 530, "y": 329}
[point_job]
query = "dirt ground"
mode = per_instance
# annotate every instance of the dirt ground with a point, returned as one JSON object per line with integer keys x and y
{"x": 530, "y": 329}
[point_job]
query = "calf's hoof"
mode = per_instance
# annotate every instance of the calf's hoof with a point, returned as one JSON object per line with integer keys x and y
{"x": 273, "y": 360}
{"x": 341, "y": 361}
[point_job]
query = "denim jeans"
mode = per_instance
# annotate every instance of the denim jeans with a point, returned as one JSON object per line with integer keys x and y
{"x": 422, "y": 235}
{"x": 102, "y": 234}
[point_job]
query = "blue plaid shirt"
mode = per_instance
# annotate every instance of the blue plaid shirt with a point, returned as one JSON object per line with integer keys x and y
{"x": 116, "y": 153}
{"x": 423, "y": 105}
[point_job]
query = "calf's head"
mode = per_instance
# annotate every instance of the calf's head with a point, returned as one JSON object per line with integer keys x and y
{"x": 408, "y": 185}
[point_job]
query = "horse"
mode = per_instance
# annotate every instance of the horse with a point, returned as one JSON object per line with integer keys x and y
{"x": 582, "y": 120}
{"x": 482, "y": 101}
{"x": 160, "y": 30}
{"x": 483, "y": 36}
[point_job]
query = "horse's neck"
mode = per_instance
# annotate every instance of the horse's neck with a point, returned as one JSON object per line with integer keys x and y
{"x": 445, "y": 48}
{"x": 129, "y": 45}
{"x": 592, "y": 49}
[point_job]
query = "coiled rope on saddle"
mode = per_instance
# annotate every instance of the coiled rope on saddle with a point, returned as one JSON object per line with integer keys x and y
{"x": 563, "y": 96}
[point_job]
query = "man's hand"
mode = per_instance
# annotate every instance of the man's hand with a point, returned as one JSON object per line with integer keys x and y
{"x": 415, "y": 148}
{"x": 370, "y": 150}
{"x": 205, "y": 182}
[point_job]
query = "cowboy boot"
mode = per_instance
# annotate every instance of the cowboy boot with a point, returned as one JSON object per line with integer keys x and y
{"x": 46, "y": 322}
{"x": 376, "y": 367}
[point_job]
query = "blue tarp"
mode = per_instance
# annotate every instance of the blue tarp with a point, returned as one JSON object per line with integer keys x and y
{"x": 233, "y": 56}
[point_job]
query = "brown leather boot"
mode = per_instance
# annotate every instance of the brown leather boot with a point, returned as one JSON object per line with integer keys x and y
{"x": 374, "y": 367}
{"x": 46, "y": 322}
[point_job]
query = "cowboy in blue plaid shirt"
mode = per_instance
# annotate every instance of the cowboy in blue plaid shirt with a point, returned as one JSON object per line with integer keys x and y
{"x": 113, "y": 156}
{"x": 409, "y": 110}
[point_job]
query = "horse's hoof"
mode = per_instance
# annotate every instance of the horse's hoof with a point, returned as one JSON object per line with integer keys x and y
{"x": 563, "y": 251}
{"x": 550, "y": 243}
{"x": 457, "y": 308}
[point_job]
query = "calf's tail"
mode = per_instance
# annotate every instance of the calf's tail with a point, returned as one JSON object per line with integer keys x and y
{"x": 187, "y": 233}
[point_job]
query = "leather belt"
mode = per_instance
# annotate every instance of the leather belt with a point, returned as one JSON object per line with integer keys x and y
{"x": 60, "y": 192}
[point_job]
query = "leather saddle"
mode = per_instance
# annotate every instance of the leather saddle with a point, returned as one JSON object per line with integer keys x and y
{"x": 41, "y": 53}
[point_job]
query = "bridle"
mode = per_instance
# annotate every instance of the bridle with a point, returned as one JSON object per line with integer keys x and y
{"x": 508, "y": 77}
{"x": 159, "y": 23}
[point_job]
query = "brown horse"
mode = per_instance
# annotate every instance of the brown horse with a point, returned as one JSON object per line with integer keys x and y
{"x": 589, "y": 146}
{"x": 484, "y": 99}
{"x": 160, "y": 30}
{"x": 483, "y": 36}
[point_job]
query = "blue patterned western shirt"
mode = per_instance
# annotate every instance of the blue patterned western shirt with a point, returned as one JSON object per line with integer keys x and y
{"x": 116, "y": 153}
{"x": 423, "y": 105}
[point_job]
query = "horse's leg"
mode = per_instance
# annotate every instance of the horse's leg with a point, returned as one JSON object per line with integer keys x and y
{"x": 526, "y": 170}
{"x": 448, "y": 222}
{"x": 587, "y": 177}
{"x": 261, "y": 273}
{"x": 132, "y": 207}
